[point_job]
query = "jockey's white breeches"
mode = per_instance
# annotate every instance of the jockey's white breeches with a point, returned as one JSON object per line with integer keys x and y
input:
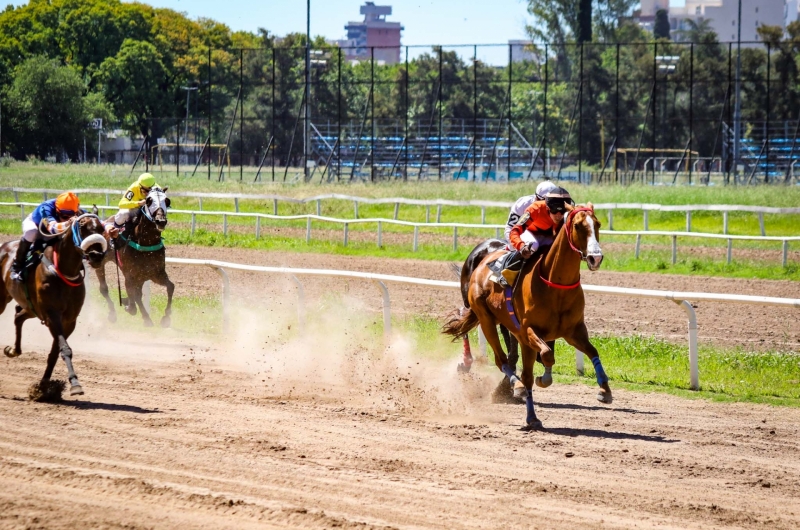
{"x": 122, "y": 216}
{"x": 534, "y": 240}
{"x": 29, "y": 229}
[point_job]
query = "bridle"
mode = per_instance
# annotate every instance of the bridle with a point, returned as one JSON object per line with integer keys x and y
{"x": 568, "y": 223}
{"x": 155, "y": 194}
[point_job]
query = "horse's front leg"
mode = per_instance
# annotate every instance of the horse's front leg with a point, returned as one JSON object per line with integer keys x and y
{"x": 528, "y": 360}
{"x": 164, "y": 280}
{"x": 47, "y": 390}
{"x": 101, "y": 279}
{"x": 579, "y": 339}
{"x": 545, "y": 356}
{"x": 546, "y": 378}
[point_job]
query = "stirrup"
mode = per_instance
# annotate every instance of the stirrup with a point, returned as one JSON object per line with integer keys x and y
{"x": 16, "y": 275}
{"x": 500, "y": 280}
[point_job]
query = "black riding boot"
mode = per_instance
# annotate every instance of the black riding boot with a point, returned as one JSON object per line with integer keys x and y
{"x": 19, "y": 259}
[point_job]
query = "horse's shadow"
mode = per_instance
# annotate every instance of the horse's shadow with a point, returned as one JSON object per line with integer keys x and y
{"x": 597, "y": 433}
{"x": 112, "y": 407}
{"x": 573, "y": 406}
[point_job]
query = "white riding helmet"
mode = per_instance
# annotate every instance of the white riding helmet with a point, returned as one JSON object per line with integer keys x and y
{"x": 544, "y": 188}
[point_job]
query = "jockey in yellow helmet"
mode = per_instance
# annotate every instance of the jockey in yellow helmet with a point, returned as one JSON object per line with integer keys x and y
{"x": 56, "y": 212}
{"x": 134, "y": 197}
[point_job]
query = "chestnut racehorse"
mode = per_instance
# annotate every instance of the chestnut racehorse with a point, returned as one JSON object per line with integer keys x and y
{"x": 54, "y": 292}
{"x": 140, "y": 255}
{"x": 548, "y": 300}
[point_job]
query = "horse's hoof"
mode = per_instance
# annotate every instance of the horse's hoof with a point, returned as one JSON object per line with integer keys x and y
{"x": 543, "y": 381}
{"x": 604, "y": 396}
{"x": 166, "y": 322}
{"x": 148, "y": 323}
{"x": 463, "y": 368}
{"x": 112, "y": 317}
{"x": 535, "y": 425}
{"x": 519, "y": 390}
{"x": 47, "y": 392}
{"x": 131, "y": 310}
{"x": 9, "y": 351}
{"x": 76, "y": 390}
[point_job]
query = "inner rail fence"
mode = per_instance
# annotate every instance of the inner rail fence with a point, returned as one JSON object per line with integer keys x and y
{"x": 683, "y": 299}
{"x": 379, "y": 222}
{"x": 646, "y": 208}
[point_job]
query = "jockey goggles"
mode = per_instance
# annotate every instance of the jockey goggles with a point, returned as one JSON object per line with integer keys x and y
{"x": 65, "y": 214}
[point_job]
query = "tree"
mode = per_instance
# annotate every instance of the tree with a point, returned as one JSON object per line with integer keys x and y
{"x": 46, "y": 110}
{"x": 135, "y": 81}
{"x": 661, "y": 28}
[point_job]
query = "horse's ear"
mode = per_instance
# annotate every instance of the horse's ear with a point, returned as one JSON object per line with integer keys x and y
{"x": 95, "y": 210}
{"x": 167, "y": 202}
{"x": 148, "y": 201}
{"x": 568, "y": 206}
{"x": 165, "y": 189}
{"x": 590, "y": 206}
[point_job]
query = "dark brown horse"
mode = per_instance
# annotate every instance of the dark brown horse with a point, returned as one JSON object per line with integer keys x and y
{"x": 549, "y": 301}
{"x": 54, "y": 292}
{"x": 140, "y": 255}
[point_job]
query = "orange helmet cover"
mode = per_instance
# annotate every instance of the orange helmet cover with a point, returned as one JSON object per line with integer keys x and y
{"x": 68, "y": 201}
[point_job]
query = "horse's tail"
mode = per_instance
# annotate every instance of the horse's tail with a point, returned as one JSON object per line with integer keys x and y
{"x": 460, "y": 322}
{"x": 455, "y": 268}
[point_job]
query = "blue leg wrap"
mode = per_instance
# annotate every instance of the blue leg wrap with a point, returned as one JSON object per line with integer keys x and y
{"x": 602, "y": 378}
{"x": 510, "y": 373}
{"x": 531, "y": 417}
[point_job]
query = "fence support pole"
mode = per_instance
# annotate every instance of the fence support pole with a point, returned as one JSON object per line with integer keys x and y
{"x": 689, "y": 221}
{"x": 258, "y": 227}
{"x": 308, "y": 230}
{"x": 455, "y": 239}
{"x": 646, "y": 219}
{"x": 380, "y": 234}
{"x": 355, "y": 209}
{"x": 194, "y": 223}
{"x": 396, "y": 210}
{"x": 274, "y": 206}
{"x": 346, "y": 233}
{"x": 301, "y": 304}
{"x": 785, "y": 252}
{"x": 483, "y": 215}
{"x": 226, "y": 293}
{"x": 724, "y": 222}
{"x": 387, "y": 308}
{"x": 438, "y": 213}
{"x": 694, "y": 374}
{"x": 638, "y": 245}
{"x": 416, "y": 238}
{"x": 730, "y": 250}
{"x": 611, "y": 219}
{"x": 224, "y": 225}
{"x": 761, "y": 223}
{"x": 674, "y": 249}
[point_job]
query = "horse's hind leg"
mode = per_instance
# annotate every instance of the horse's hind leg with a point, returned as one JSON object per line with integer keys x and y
{"x": 163, "y": 279}
{"x": 580, "y": 341}
{"x": 136, "y": 296}
{"x": 466, "y": 352}
{"x": 20, "y": 316}
{"x": 66, "y": 354}
{"x": 101, "y": 279}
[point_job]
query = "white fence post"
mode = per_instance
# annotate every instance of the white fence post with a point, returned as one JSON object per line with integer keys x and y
{"x": 646, "y": 219}
{"x": 355, "y": 209}
{"x": 785, "y": 252}
{"x": 438, "y": 213}
{"x": 579, "y": 362}
{"x": 258, "y": 227}
{"x": 761, "y": 223}
{"x": 236, "y": 204}
{"x": 224, "y": 225}
{"x": 416, "y": 238}
{"x": 380, "y": 234}
{"x": 689, "y": 221}
{"x": 346, "y": 230}
{"x": 674, "y": 249}
{"x": 455, "y": 239}
{"x": 730, "y": 251}
{"x": 396, "y": 210}
{"x": 483, "y": 215}
{"x": 319, "y": 207}
{"x": 274, "y": 206}
{"x": 611, "y": 219}
{"x": 638, "y": 245}
{"x": 194, "y": 223}
{"x": 308, "y": 230}
{"x": 694, "y": 374}
{"x": 724, "y": 222}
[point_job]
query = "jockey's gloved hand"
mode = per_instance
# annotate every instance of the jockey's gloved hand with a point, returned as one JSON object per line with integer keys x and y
{"x": 527, "y": 250}
{"x": 56, "y": 227}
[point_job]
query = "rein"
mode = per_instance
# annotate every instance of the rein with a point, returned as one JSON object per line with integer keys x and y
{"x": 142, "y": 248}
{"x": 568, "y": 228}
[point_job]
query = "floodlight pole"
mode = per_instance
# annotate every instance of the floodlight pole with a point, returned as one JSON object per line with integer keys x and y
{"x": 737, "y": 110}
{"x": 307, "y": 122}
{"x": 188, "y": 90}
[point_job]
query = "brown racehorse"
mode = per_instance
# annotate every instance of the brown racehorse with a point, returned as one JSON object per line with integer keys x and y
{"x": 548, "y": 299}
{"x": 141, "y": 256}
{"x": 54, "y": 293}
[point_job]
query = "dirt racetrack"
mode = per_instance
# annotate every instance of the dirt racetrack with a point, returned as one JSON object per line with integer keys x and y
{"x": 261, "y": 429}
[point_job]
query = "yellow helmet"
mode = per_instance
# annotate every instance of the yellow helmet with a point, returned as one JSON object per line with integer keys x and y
{"x": 146, "y": 180}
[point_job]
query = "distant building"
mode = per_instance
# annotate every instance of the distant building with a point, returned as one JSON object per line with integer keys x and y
{"x": 522, "y": 51}
{"x": 722, "y": 16}
{"x": 373, "y": 33}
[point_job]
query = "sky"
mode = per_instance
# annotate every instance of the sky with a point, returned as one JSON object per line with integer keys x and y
{"x": 446, "y": 22}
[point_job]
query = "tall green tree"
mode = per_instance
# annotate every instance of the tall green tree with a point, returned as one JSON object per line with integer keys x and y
{"x": 661, "y": 27}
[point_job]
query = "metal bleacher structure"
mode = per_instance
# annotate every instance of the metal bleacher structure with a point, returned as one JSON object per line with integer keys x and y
{"x": 768, "y": 151}
{"x": 492, "y": 149}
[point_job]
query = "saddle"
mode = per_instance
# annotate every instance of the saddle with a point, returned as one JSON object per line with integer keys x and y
{"x": 34, "y": 256}
{"x": 507, "y": 267}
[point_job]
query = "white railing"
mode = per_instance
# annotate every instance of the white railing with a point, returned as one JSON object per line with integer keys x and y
{"x": 683, "y": 299}
{"x": 439, "y": 203}
{"x": 455, "y": 226}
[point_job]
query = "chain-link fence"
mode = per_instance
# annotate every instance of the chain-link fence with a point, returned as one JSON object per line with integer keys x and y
{"x": 649, "y": 112}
